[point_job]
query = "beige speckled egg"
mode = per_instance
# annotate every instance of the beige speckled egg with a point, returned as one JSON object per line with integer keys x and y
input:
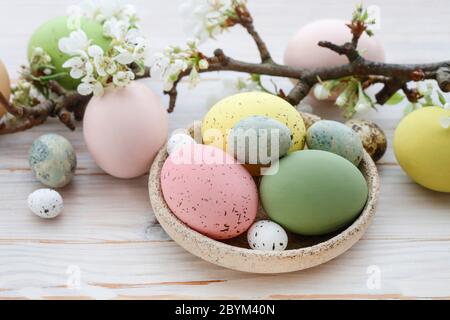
{"x": 5, "y": 86}
{"x": 125, "y": 129}
{"x": 372, "y": 136}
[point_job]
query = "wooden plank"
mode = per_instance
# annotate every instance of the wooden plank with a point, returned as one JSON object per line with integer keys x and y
{"x": 101, "y": 208}
{"x": 164, "y": 270}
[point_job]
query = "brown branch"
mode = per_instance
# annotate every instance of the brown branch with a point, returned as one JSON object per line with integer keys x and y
{"x": 298, "y": 93}
{"x": 443, "y": 78}
{"x": 246, "y": 20}
{"x": 10, "y": 124}
{"x": 394, "y": 77}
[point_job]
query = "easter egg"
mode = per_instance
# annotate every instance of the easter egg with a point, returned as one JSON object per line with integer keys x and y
{"x": 372, "y": 137}
{"x": 228, "y": 112}
{"x": 124, "y": 129}
{"x": 303, "y": 50}
{"x": 178, "y": 140}
{"x": 259, "y": 140}
{"x": 209, "y": 191}
{"x": 53, "y": 160}
{"x": 313, "y": 192}
{"x": 47, "y": 37}
{"x": 335, "y": 137}
{"x": 45, "y": 203}
{"x": 266, "y": 235}
{"x": 422, "y": 148}
{"x": 5, "y": 86}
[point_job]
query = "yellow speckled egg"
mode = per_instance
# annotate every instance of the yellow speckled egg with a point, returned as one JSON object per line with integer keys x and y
{"x": 5, "y": 86}
{"x": 228, "y": 112}
{"x": 422, "y": 147}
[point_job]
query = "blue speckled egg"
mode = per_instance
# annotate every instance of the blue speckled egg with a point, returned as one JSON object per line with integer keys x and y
{"x": 337, "y": 138}
{"x": 53, "y": 160}
{"x": 250, "y": 140}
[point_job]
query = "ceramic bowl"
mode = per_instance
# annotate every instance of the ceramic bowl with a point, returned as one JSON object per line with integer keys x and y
{"x": 302, "y": 252}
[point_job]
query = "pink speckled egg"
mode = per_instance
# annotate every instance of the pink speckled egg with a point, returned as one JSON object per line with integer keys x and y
{"x": 303, "y": 50}
{"x": 209, "y": 191}
{"x": 124, "y": 130}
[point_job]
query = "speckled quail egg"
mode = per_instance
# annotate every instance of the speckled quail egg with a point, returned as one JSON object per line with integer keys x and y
{"x": 337, "y": 138}
{"x": 266, "y": 235}
{"x": 53, "y": 160}
{"x": 45, "y": 203}
{"x": 178, "y": 140}
{"x": 309, "y": 119}
{"x": 372, "y": 137}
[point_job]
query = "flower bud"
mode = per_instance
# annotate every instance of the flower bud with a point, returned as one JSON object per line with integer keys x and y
{"x": 321, "y": 92}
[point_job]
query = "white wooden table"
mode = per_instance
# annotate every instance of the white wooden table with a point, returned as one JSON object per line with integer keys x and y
{"x": 108, "y": 238}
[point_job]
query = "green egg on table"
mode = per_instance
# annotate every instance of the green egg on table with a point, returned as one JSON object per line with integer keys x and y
{"x": 337, "y": 138}
{"x": 47, "y": 37}
{"x": 53, "y": 160}
{"x": 259, "y": 140}
{"x": 313, "y": 192}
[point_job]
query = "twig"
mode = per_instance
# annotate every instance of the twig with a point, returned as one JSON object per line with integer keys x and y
{"x": 246, "y": 20}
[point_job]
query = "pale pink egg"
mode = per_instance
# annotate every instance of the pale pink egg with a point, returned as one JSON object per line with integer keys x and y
{"x": 303, "y": 50}
{"x": 209, "y": 191}
{"x": 124, "y": 130}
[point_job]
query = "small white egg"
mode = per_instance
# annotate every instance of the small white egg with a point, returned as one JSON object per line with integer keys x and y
{"x": 178, "y": 140}
{"x": 45, "y": 203}
{"x": 266, "y": 235}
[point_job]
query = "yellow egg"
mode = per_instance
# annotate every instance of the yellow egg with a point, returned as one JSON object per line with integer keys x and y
{"x": 229, "y": 111}
{"x": 422, "y": 147}
{"x": 5, "y": 86}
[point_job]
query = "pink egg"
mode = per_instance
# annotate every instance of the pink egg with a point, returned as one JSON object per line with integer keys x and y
{"x": 209, "y": 191}
{"x": 303, "y": 51}
{"x": 124, "y": 130}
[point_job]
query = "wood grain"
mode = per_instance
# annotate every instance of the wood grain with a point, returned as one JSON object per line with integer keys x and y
{"x": 108, "y": 229}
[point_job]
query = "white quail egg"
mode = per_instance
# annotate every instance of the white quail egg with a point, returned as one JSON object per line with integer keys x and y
{"x": 267, "y": 236}
{"x": 45, "y": 203}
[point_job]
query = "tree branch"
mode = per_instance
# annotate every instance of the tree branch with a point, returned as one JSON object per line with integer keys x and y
{"x": 246, "y": 20}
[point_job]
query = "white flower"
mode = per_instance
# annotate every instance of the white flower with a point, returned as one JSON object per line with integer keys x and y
{"x": 78, "y": 67}
{"x": 90, "y": 85}
{"x": 160, "y": 63}
{"x": 76, "y": 43}
{"x": 103, "y": 10}
{"x": 116, "y": 29}
{"x": 445, "y": 122}
{"x": 362, "y": 107}
{"x": 124, "y": 57}
{"x": 203, "y": 64}
{"x": 123, "y": 78}
{"x": 364, "y": 104}
{"x": 321, "y": 92}
{"x": 447, "y": 106}
{"x": 103, "y": 65}
{"x": 207, "y": 18}
{"x": 342, "y": 100}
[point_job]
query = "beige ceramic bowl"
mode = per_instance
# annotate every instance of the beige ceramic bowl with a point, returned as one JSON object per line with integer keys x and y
{"x": 302, "y": 252}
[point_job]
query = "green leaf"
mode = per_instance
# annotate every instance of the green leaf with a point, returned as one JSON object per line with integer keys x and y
{"x": 395, "y": 99}
{"x": 442, "y": 99}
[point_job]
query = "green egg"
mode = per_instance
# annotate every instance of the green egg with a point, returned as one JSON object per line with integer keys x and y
{"x": 313, "y": 192}
{"x": 335, "y": 137}
{"x": 48, "y": 35}
{"x": 53, "y": 160}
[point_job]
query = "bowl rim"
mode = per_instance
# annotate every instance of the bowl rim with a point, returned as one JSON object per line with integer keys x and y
{"x": 356, "y": 229}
